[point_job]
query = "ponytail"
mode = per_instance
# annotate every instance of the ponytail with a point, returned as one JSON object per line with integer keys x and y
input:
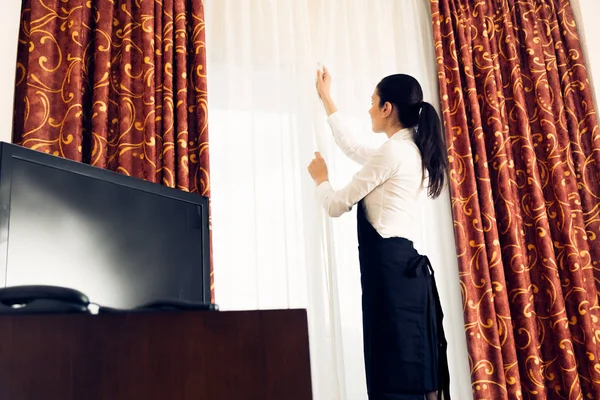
{"x": 406, "y": 94}
{"x": 428, "y": 138}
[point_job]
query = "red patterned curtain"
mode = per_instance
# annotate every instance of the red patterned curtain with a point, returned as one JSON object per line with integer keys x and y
{"x": 116, "y": 84}
{"x": 119, "y": 85}
{"x": 524, "y": 146}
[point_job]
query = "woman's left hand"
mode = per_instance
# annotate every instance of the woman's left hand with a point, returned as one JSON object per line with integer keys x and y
{"x": 318, "y": 169}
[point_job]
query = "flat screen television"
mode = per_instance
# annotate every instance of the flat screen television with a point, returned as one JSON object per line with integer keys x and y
{"x": 120, "y": 240}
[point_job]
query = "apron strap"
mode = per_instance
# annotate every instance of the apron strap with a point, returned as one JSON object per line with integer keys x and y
{"x": 419, "y": 267}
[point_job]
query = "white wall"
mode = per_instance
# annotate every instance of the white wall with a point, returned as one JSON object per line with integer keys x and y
{"x": 10, "y": 18}
{"x": 586, "y": 13}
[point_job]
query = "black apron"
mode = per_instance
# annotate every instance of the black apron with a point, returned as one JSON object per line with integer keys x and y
{"x": 404, "y": 341}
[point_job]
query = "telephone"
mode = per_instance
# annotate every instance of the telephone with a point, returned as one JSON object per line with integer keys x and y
{"x": 42, "y": 300}
{"x": 60, "y": 300}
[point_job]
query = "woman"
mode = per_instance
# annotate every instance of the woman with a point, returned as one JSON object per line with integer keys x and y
{"x": 404, "y": 344}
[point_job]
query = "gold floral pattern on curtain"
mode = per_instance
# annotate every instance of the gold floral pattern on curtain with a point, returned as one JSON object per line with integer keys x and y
{"x": 524, "y": 148}
{"x": 119, "y": 85}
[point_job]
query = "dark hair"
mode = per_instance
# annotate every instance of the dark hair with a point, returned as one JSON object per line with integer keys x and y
{"x": 406, "y": 96}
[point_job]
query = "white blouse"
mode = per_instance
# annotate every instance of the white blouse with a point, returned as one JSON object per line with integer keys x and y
{"x": 390, "y": 181}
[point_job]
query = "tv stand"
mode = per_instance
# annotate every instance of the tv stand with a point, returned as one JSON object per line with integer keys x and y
{"x": 199, "y": 355}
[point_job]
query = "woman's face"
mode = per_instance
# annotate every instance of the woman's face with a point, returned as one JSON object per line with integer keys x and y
{"x": 378, "y": 114}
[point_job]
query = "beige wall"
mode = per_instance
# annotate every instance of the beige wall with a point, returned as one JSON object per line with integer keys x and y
{"x": 586, "y": 14}
{"x": 9, "y": 31}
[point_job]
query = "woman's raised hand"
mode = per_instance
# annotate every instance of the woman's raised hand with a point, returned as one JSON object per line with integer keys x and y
{"x": 324, "y": 83}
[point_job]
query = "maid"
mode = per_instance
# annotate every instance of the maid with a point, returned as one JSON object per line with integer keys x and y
{"x": 404, "y": 342}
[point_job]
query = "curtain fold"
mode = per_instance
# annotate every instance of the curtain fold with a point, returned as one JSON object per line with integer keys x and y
{"x": 524, "y": 147}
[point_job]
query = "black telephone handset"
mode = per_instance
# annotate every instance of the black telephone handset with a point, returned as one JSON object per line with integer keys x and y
{"x": 42, "y": 300}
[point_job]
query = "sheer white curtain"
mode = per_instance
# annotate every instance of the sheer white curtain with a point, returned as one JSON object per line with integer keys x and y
{"x": 273, "y": 247}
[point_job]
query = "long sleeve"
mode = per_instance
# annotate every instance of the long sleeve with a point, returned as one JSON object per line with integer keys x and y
{"x": 376, "y": 170}
{"x": 346, "y": 141}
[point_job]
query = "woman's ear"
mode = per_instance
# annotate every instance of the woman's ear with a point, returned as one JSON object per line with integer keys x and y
{"x": 387, "y": 109}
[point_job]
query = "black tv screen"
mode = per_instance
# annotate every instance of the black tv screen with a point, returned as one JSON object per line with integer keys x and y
{"x": 120, "y": 240}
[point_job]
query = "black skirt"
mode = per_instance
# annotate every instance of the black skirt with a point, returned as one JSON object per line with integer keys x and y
{"x": 404, "y": 343}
